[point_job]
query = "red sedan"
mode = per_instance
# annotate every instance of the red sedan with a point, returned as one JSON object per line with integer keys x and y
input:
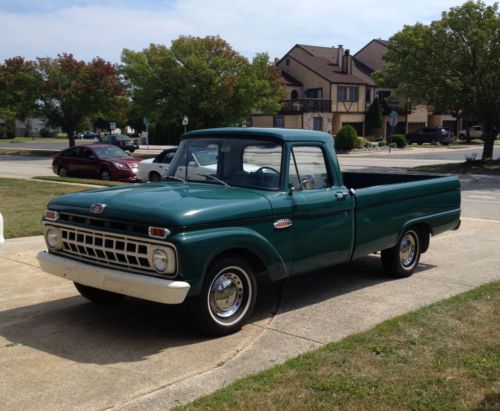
{"x": 102, "y": 161}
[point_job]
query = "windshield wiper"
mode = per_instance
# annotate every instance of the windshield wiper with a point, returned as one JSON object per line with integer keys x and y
{"x": 215, "y": 178}
{"x": 176, "y": 178}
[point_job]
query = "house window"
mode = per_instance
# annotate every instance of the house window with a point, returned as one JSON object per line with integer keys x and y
{"x": 368, "y": 95}
{"x": 295, "y": 95}
{"x": 382, "y": 95}
{"x": 315, "y": 93}
{"x": 318, "y": 123}
{"x": 279, "y": 122}
{"x": 347, "y": 93}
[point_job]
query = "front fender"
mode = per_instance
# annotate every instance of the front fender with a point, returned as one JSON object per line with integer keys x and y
{"x": 197, "y": 250}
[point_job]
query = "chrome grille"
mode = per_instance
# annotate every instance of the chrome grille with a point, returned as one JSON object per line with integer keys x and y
{"x": 108, "y": 249}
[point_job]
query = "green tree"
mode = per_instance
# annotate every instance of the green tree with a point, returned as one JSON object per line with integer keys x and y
{"x": 203, "y": 78}
{"x": 451, "y": 65}
{"x": 374, "y": 116}
{"x": 63, "y": 90}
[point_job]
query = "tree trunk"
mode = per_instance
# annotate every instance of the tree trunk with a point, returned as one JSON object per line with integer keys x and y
{"x": 71, "y": 136}
{"x": 489, "y": 135}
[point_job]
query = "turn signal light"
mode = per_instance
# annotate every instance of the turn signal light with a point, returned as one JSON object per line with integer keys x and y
{"x": 51, "y": 215}
{"x": 158, "y": 232}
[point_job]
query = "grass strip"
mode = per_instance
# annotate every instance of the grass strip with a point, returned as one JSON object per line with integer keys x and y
{"x": 26, "y": 152}
{"x": 445, "y": 356}
{"x": 23, "y": 202}
{"x": 491, "y": 167}
{"x": 80, "y": 181}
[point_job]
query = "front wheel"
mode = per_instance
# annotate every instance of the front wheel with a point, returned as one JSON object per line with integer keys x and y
{"x": 402, "y": 259}
{"x": 96, "y": 295}
{"x": 227, "y": 298}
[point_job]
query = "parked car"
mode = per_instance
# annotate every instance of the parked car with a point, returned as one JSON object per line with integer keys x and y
{"x": 212, "y": 236}
{"x": 470, "y": 133}
{"x": 153, "y": 169}
{"x": 88, "y": 135}
{"x": 103, "y": 161}
{"x": 122, "y": 141}
{"x": 2, "y": 240}
{"x": 433, "y": 135}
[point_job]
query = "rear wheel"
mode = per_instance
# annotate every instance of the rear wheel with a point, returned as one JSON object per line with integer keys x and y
{"x": 105, "y": 175}
{"x": 154, "y": 177}
{"x": 227, "y": 298}
{"x": 96, "y": 295}
{"x": 62, "y": 172}
{"x": 402, "y": 259}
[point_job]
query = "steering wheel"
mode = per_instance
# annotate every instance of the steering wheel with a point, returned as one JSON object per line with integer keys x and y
{"x": 261, "y": 170}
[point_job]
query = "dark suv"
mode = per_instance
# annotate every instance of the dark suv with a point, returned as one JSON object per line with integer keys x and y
{"x": 433, "y": 135}
{"x": 122, "y": 141}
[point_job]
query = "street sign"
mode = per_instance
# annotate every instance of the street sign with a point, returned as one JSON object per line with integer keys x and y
{"x": 393, "y": 121}
{"x": 185, "y": 121}
{"x": 112, "y": 126}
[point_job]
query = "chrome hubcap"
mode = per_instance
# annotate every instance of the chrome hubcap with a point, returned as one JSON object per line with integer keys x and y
{"x": 226, "y": 295}
{"x": 408, "y": 249}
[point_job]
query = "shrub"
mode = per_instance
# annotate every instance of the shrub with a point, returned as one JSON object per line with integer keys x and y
{"x": 399, "y": 140}
{"x": 362, "y": 142}
{"x": 45, "y": 132}
{"x": 346, "y": 138}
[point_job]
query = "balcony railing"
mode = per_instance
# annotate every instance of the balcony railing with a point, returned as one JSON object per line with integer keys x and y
{"x": 306, "y": 105}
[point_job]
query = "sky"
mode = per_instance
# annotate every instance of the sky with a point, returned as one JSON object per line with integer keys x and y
{"x": 91, "y": 28}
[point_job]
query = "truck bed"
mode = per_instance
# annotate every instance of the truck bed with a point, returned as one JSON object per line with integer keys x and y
{"x": 386, "y": 203}
{"x": 362, "y": 180}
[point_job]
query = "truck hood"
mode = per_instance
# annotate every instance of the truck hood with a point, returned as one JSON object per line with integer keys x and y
{"x": 167, "y": 204}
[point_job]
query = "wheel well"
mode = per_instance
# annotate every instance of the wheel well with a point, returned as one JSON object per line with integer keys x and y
{"x": 153, "y": 172}
{"x": 250, "y": 257}
{"x": 425, "y": 232}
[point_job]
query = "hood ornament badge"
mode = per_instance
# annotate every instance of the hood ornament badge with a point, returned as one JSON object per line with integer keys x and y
{"x": 98, "y": 208}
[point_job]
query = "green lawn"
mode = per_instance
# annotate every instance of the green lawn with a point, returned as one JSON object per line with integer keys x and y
{"x": 467, "y": 167}
{"x": 23, "y": 202}
{"x": 37, "y": 139}
{"x": 442, "y": 357}
{"x": 80, "y": 181}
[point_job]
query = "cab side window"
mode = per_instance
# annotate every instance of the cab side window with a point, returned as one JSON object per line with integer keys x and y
{"x": 307, "y": 169}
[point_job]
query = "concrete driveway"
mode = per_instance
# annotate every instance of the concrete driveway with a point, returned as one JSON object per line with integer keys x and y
{"x": 59, "y": 352}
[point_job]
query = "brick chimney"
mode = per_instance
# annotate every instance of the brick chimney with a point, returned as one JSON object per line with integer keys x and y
{"x": 347, "y": 62}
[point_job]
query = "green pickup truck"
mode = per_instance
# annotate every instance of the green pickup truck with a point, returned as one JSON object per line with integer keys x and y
{"x": 257, "y": 204}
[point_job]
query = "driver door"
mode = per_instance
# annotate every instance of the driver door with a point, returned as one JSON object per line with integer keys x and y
{"x": 323, "y": 212}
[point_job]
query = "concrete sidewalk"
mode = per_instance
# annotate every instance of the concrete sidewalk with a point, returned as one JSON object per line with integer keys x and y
{"x": 58, "y": 351}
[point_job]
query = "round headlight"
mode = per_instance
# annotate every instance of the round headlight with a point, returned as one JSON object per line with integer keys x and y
{"x": 160, "y": 260}
{"x": 53, "y": 236}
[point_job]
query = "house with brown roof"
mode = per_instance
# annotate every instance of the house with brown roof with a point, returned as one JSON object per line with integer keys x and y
{"x": 327, "y": 88}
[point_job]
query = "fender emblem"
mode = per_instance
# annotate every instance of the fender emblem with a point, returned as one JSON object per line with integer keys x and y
{"x": 282, "y": 223}
{"x": 98, "y": 208}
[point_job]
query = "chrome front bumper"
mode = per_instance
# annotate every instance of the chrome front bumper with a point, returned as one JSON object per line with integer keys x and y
{"x": 133, "y": 285}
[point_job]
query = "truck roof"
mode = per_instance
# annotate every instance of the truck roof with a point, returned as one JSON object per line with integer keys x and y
{"x": 284, "y": 134}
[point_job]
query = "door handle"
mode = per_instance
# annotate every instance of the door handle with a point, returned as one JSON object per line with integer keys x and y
{"x": 341, "y": 195}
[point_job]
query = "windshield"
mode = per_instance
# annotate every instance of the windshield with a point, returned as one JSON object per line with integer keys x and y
{"x": 229, "y": 161}
{"x": 110, "y": 152}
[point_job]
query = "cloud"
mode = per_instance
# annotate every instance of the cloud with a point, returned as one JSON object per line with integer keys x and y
{"x": 103, "y": 28}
